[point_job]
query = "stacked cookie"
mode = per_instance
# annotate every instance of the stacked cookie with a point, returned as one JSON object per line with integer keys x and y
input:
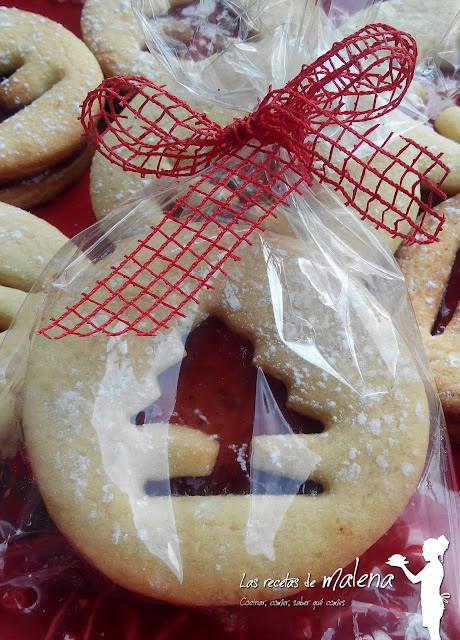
{"x": 47, "y": 72}
{"x": 105, "y": 24}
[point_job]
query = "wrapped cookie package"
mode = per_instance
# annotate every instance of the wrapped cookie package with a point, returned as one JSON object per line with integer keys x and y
{"x": 223, "y": 396}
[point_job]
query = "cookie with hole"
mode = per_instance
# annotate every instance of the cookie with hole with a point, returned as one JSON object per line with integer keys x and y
{"x": 110, "y": 185}
{"x": 432, "y": 273}
{"x": 140, "y": 438}
{"x": 47, "y": 72}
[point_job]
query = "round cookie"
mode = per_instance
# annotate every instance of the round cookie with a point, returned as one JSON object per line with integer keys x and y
{"x": 112, "y": 33}
{"x": 111, "y": 186}
{"x": 427, "y": 270}
{"x": 48, "y": 73}
{"x": 93, "y": 463}
{"x": 106, "y": 24}
{"x": 27, "y": 244}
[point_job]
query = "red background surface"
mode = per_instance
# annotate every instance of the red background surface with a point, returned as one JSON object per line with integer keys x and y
{"x": 70, "y": 603}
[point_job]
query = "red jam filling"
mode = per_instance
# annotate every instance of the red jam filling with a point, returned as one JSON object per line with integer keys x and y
{"x": 215, "y": 392}
{"x": 450, "y": 299}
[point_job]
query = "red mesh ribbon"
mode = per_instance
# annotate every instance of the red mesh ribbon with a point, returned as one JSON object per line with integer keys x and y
{"x": 301, "y": 133}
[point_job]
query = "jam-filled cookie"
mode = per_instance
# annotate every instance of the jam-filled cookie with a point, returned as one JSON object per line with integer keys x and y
{"x": 105, "y": 26}
{"x": 27, "y": 244}
{"x": 432, "y": 275}
{"x": 31, "y": 192}
{"x": 175, "y": 471}
{"x": 47, "y": 72}
{"x": 111, "y": 186}
{"x": 111, "y": 31}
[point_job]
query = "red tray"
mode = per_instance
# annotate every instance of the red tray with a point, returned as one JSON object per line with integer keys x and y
{"x": 78, "y": 603}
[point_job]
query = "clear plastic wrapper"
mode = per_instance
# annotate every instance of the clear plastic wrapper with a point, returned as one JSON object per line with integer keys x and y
{"x": 232, "y": 53}
{"x": 250, "y": 47}
{"x": 272, "y": 459}
{"x": 436, "y": 85}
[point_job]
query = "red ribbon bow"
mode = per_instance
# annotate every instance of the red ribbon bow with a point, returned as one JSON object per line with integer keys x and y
{"x": 297, "y": 134}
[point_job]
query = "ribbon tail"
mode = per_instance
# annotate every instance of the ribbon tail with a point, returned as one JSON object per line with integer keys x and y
{"x": 382, "y": 182}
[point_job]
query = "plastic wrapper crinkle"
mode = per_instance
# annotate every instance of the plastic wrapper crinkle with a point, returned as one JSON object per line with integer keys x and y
{"x": 217, "y": 397}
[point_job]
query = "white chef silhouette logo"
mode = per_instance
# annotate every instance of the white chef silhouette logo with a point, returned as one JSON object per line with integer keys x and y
{"x": 431, "y": 576}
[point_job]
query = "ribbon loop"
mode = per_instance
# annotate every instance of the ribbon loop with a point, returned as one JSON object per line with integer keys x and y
{"x": 362, "y": 78}
{"x": 173, "y": 133}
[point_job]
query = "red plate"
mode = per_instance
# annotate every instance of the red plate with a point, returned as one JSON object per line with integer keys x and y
{"x": 68, "y": 600}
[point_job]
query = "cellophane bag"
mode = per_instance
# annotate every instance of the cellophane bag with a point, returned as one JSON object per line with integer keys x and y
{"x": 437, "y": 77}
{"x": 217, "y": 415}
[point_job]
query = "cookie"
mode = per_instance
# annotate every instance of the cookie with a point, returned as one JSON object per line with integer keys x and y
{"x": 106, "y": 24}
{"x": 112, "y": 33}
{"x": 105, "y": 457}
{"x": 448, "y": 123}
{"x": 27, "y": 243}
{"x": 104, "y": 27}
{"x": 427, "y": 270}
{"x": 110, "y": 186}
{"x": 49, "y": 72}
{"x": 397, "y": 175}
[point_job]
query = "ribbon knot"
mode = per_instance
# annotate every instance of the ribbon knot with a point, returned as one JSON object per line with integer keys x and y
{"x": 275, "y": 117}
{"x": 242, "y": 130}
{"x": 300, "y": 133}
